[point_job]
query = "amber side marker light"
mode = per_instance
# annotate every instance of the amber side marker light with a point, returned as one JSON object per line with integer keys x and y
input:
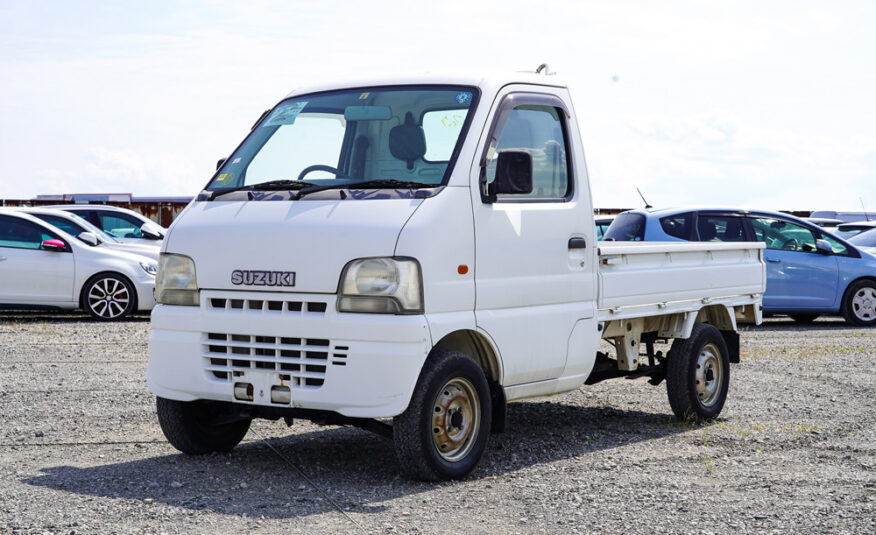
{"x": 462, "y": 269}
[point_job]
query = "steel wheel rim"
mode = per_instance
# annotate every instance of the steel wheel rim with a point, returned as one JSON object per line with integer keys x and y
{"x": 864, "y": 304}
{"x": 709, "y": 376}
{"x": 456, "y": 417}
{"x": 108, "y": 298}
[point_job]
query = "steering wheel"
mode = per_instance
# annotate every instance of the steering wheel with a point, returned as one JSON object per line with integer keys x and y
{"x": 790, "y": 245}
{"x": 319, "y": 167}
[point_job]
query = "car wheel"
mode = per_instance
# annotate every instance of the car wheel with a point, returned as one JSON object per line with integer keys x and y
{"x": 803, "y": 318}
{"x": 198, "y": 427}
{"x": 859, "y": 303}
{"x": 443, "y": 432}
{"x": 698, "y": 374}
{"x": 108, "y": 297}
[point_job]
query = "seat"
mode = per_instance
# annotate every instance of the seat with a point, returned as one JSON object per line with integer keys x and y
{"x": 707, "y": 230}
{"x": 734, "y": 231}
{"x": 407, "y": 142}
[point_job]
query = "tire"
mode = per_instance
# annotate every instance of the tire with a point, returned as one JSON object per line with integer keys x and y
{"x": 859, "y": 303}
{"x": 188, "y": 427}
{"x": 803, "y": 318}
{"x": 443, "y": 433}
{"x": 698, "y": 374}
{"x": 108, "y": 297}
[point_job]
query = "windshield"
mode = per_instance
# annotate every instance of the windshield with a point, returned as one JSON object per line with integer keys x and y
{"x": 864, "y": 239}
{"x": 337, "y": 139}
{"x": 75, "y": 225}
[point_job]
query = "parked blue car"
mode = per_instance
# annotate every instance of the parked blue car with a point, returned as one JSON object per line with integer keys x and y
{"x": 809, "y": 270}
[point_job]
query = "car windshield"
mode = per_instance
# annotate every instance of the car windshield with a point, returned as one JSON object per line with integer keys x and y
{"x": 340, "y": 138}
{"x": 864, "y": 239}
{"x": 75, "y": 225}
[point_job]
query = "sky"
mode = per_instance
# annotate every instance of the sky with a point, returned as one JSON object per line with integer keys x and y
{"x": 746, "y": 103}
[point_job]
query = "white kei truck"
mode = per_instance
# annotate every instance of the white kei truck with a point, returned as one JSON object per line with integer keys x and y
{"x": 410, "y": 255}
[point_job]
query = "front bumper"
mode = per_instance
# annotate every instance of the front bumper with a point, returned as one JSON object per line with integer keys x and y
{"x": 358, "y": 365}
{"x": 145, "y": 293}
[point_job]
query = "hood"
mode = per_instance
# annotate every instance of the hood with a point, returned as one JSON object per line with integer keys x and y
{"x": 150, "y": 251}
{"x": 312, "y": 238}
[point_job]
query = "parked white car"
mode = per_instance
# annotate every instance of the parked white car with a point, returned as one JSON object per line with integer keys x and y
{"x": 75, "y": 225}
{"x": 125, "y": 225}
{"x": 43, "y": 266}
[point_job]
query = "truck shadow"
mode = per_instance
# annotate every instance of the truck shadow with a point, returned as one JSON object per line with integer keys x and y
{"x": 352, "y": 468}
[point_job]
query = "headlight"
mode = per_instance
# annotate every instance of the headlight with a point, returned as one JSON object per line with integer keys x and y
{"x": 151, "y": 269}
{"x": 176, "y": 283}
{"x": 381, "y": 286}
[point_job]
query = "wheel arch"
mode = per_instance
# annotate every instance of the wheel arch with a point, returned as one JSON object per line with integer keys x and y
{"x": 869, "y": 278}
{"x": 476, "y": 345}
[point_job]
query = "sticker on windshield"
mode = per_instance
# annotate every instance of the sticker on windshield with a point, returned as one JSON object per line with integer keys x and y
{"x": 463, "y": 97}
{"x": 236, "y": 160}
{"x": 223, "y": 178}
{"x": 285, "y": 114}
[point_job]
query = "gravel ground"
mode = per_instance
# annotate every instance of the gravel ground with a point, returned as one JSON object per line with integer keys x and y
{"x": 793, "y": 451}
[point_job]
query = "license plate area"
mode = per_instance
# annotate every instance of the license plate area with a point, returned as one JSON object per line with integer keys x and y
{"x": 262, "y": 388}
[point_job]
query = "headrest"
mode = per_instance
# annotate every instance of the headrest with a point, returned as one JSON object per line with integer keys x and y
{"x": 407, "y": 141}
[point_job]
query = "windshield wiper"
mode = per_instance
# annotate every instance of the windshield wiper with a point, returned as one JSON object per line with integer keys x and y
{"x": 270, "y": 185}
{"x": 367, "y": 184}
{"x": 390, "y": 183}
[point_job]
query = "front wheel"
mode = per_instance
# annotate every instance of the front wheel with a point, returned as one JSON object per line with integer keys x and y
{"x": 108, "y": 297}
{"x": 198, "y": 427}
{"x": 443, "y": 432}
{"x": 859, "y": 304}
{"x": 698, "y": 374}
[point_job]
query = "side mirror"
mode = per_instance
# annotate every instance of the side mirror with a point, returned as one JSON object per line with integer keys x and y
{"x": 54, "y": 245}
{"x": 513, "y": 173}
{"x": 89, "y": 237}
{"x": 149, "y": 233}
{"x": 823, "y": 247}
{"x": 220, "y": 162}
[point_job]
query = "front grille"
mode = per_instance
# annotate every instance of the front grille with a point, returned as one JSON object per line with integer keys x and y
{"x": 299, "y": 361}
{"x": 268, "y": 305}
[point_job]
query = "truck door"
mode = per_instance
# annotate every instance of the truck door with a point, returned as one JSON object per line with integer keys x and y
{"x": 535, "y": 252}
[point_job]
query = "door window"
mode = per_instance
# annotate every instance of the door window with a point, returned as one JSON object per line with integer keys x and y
{"x": 678, "y": 226}
{"x": 720, "y": 228}
{"x": 783, "y": 235}
{"x": 538, "y": 130}
{"x": 837, "y": 246}
{"x": 21, "y": 234}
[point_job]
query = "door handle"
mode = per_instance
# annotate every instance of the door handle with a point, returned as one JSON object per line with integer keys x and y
{"x": 577, "y": 243}
{"x": 2, "y": 258}
{"x": 774, "y": 260}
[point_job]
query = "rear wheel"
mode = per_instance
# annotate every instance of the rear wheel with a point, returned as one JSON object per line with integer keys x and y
{"x": 803, "y": 318}
{"x": 443, "y": 432}
{"x": 197, "y": 427}
{"x": 859, "y": 303}
{"x": 698, "y": 374}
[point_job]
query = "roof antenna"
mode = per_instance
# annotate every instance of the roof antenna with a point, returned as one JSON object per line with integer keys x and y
{"x": 643, "y": 199}
{"x": 866, "y": 215}
{"x": 542, "y": 67}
